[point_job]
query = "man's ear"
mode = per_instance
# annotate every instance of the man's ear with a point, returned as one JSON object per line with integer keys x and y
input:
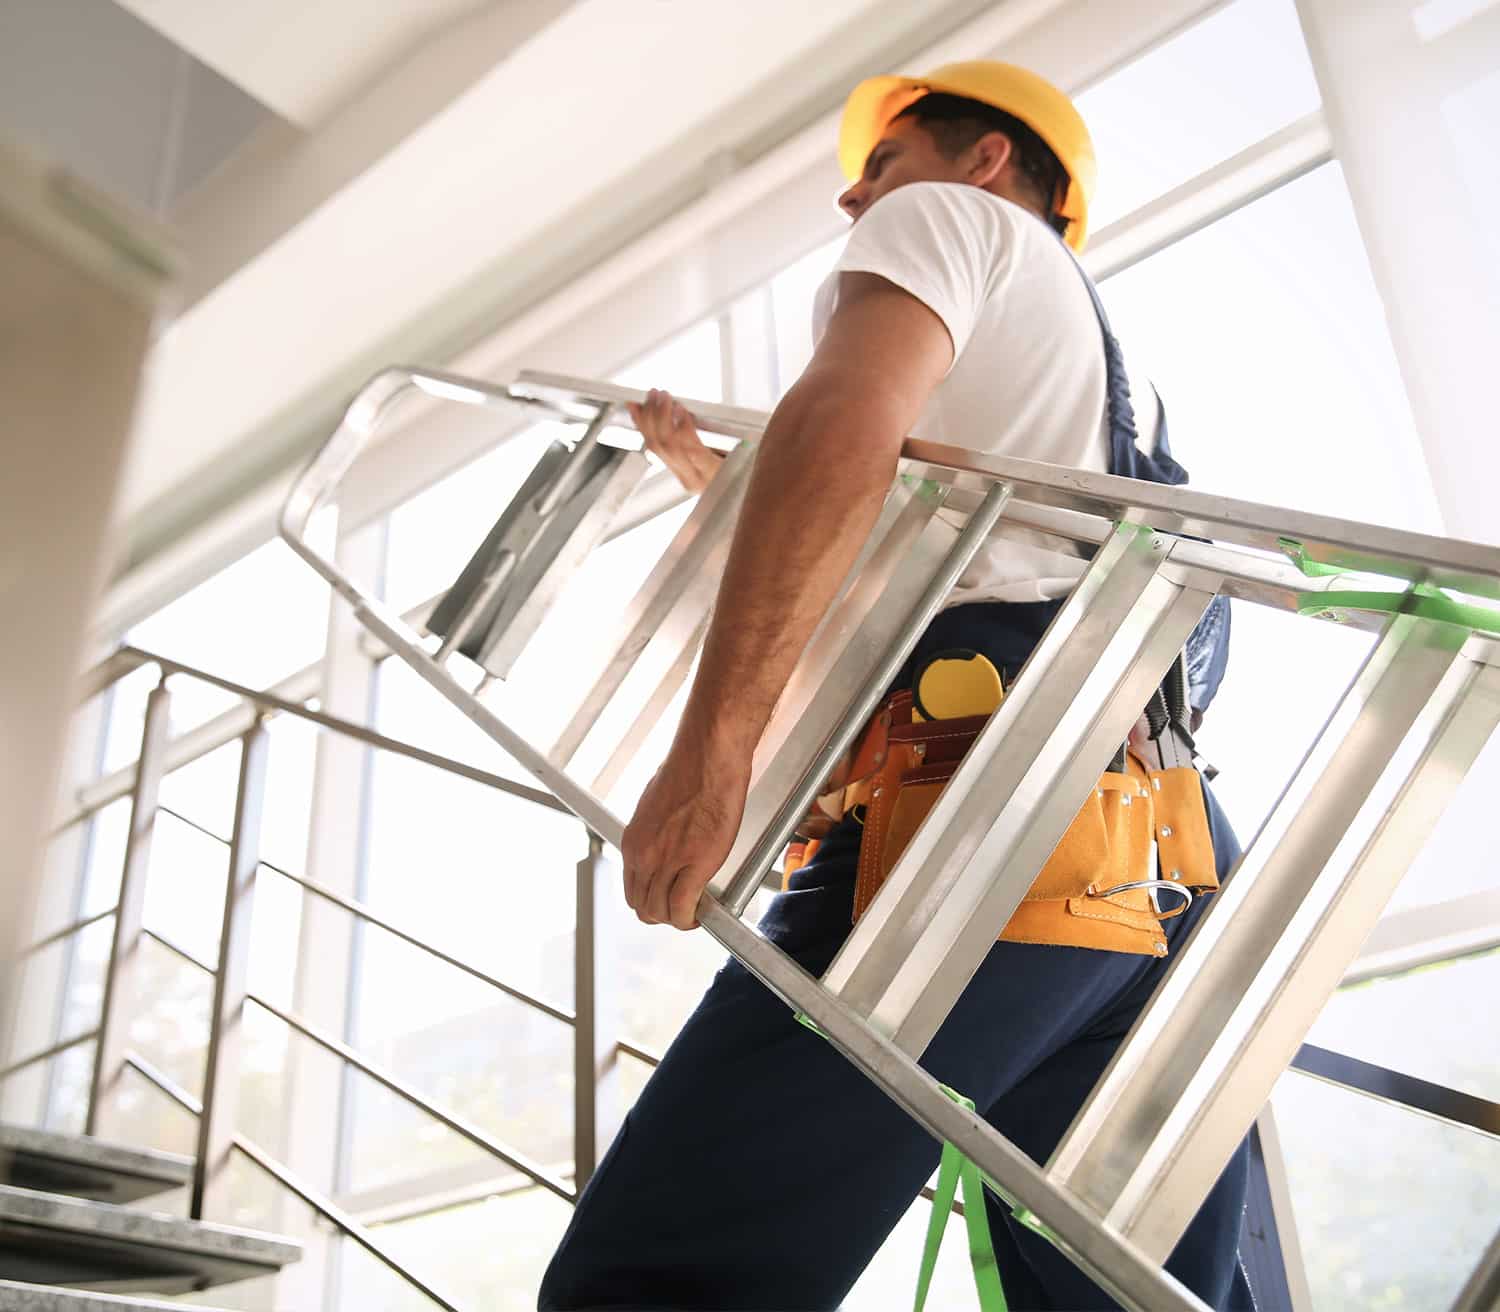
{"x": 988, "y": 157}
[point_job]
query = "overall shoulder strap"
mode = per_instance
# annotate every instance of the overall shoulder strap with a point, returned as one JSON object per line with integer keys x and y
{"x": 1126, "y": 456}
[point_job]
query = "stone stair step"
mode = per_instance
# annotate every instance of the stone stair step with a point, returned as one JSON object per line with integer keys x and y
{"x": 84, "y": 1167}
{"x": 18, "y": 1297}
{"x": 51, "y": 1239}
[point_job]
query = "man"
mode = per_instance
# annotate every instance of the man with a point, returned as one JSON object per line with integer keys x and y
{"x": 759, "y": 1169}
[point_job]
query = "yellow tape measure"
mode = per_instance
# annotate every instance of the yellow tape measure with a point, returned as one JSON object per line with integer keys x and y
{"x": 954, "y": 684}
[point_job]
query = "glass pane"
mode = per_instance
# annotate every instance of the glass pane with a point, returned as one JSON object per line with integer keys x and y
{"x": 489, "y": 1255}
{"x": 1446, "y": 866}
{"x": 433, "y": 534}
{"x": 170, "y": 1030}
{"x": 106, "y": 857}
{"x": 254, "y": 622}
{"x": 497, "y": 1063}
{"x": 69, "y": 1075}
{"x": 1392, "y": 1209}
{"x": 85, "y": 989}
{"x": 792, "y": 294}
{"x": 1267, "y": 340}
{"x": 1227, "y": 82}
{"x": 486, "y": 876}
{"x": 688, "y": 365}
{"x": 1423, "y": 1023}
{"x": 891, "y": 1278}
{"x": 144, "y": 1117}
{"x": 1470, "y": 116}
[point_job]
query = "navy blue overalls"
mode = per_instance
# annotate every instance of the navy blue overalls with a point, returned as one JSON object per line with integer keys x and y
{"x": 760, "y": 1170}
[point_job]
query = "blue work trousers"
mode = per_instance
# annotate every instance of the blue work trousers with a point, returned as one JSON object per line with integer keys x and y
{"x": 761, "y": 1170}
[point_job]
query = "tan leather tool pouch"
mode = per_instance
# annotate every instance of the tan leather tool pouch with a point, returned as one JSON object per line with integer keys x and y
{"x": 1108, "y": 843}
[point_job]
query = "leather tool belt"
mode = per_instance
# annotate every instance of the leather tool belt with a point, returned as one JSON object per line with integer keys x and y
{"x": 1094, "y": 890}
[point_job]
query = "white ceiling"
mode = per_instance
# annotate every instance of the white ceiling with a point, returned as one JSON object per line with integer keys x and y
{"x": 301, "y": 58}
{"x": 521, "y": 145}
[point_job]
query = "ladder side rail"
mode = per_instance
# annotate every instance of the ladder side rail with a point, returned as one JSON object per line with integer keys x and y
{"x": 1243, "y": 573}
{"x": 1059, "y": 665}
{"x": 902, "y": 523}
{"x": 870, "y": 655}
{"x": 969, "y": 865}
{"x": 659, "y": 694}
{"x": 1346, "y": 544}
{"x": 1139, "y": 1283}
{"x": 1241, "y": 995}
{"x": 647, "y": 688}
{"x": 1481, "y": 1291}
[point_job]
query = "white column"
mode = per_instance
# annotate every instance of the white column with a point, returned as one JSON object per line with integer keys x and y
{"x": 326, "y": 944}
{"x": 1383, "y": 92}
{"x": 81, "y": 289}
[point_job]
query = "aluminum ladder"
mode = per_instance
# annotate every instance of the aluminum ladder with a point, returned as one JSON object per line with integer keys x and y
{"x": 1235, "y": 1004}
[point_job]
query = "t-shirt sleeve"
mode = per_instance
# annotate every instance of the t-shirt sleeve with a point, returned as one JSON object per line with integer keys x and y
{"x": 936, "y": 242}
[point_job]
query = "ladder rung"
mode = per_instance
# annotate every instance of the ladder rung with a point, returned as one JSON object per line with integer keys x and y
{"x": 1224, "y": 1024}
{"x": 875, "y": 624}
{"x": 685, "y": 578}
{"x": 581, "y": 521}
{"x": 652, "y": 708}
{"x": 970, "y": 863}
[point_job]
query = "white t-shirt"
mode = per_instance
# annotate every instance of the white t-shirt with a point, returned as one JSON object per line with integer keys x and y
{"x": 1028, "y": 375}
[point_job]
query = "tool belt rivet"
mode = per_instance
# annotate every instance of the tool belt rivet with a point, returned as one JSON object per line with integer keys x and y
{"x": 1176, "y": 874}
{"x": 1166, "y": 831}
{"x": 1125, "y": 799}
{"x": 1161, "y": 949}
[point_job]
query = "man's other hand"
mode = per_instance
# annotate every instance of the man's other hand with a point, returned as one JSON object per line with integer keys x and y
{"x": 682, "y": 830}
{"x": 671, "y": 436}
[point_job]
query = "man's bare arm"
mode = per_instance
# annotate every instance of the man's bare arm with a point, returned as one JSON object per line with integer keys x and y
{"x": 828, "y": 457}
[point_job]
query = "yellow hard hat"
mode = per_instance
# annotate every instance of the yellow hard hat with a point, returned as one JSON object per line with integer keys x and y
{"x": 1017, "y": 91}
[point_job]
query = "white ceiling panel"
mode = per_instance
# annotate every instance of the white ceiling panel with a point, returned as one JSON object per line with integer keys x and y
{"x": 301, "y": 58}
{"x": 541, "y": 163}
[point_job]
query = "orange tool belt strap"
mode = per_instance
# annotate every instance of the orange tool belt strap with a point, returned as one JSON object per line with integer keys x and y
{"x": 899, "y": 768}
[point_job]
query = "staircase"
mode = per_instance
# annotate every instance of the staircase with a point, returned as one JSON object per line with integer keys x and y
{"x": 71, "y": 1241}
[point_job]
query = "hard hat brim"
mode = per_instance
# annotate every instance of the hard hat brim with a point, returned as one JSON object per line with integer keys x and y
{"x": 877, "y": 100}
{"x": 870, "y": 107}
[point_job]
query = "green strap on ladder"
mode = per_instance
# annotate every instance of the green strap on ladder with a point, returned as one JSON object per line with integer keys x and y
{"x": 955, "y": 1167}
{"x": 1419, "y": 599}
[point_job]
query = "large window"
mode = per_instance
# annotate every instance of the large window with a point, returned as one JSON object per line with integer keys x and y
{"x": 1267, "y": 338}
{"x": 489, "y": 877}
{"x": 1223, "y": 85}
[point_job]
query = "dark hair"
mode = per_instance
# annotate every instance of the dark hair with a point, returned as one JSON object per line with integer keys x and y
{"x": 955, "y": 123}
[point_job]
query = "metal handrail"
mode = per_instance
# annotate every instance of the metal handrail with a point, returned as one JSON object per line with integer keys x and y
{"x": 164, "y": 1083}
{"x": 651, "y": 1059}
{"x": 57, "y": 935}
{"x": 177, "y": 951}
{"x": 1427, "y": 1098}
{"x": 46, "y": 1053}
{"x": 163, "y": 809}
{"x": 336, "y": 1216}
{"x": 460, "y": 1127}
{"x": 268, "y": 702}
{"x": 363, "y": 913}
{"x": 657, "y": 494}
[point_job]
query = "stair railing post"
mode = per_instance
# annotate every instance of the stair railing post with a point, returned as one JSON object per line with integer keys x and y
{"x": 221, "y": 1079}
{"x": 121, "y": 990}
{"x": 596, "y": 1060}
